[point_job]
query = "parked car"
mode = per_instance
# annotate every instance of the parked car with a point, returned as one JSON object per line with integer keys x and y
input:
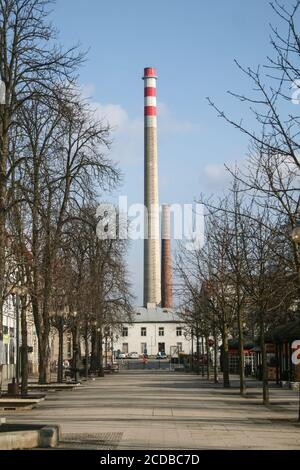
{"x": 133, "y": 355}
{"x": 161, "y": 355}
{"x": 121, "y": 355}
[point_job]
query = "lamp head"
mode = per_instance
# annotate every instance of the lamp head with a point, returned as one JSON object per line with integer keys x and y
{"x": 296, "y": 234}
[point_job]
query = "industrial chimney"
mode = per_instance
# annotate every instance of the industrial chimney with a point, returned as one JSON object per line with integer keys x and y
{"x": 166, "y": 263}
{"x": 152, "y": 290}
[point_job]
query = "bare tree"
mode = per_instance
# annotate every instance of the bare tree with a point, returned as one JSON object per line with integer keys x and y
{"x": 31, "y": 65}
{"x": 64, "y": 161}
{"x": 102, "y": 293}
{"x": 272, "y": 171}
{"x": 206, "y": 276}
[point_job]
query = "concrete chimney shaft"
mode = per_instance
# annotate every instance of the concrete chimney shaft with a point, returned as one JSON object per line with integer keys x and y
{"x": 152, "y": 289}
{"x": 166, "y": 259}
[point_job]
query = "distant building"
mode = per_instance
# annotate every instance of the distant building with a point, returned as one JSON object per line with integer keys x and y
{"x": 9, "y": 347}
{"x": 154, "y": 330}
{"x": 156, "y": 326}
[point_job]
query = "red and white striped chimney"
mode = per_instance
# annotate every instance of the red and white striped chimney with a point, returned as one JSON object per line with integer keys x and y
{"x": 152, "y": 290}
{"x": 166, "y": 259}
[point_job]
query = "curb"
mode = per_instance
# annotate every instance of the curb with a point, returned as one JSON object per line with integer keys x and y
{"x": 54, "y": 387}
{"x": 45, "y": 437}
{"x": 19, "y": 404}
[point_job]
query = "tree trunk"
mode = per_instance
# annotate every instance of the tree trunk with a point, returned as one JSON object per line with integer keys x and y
{"x": 86, "y": 344}
{"x": 94, "y": 361}
{"x": 198, "y": 353}
{"x": 60, "y": 364}
{"x": 24, "y": 348}
{"x": 106, "y": 363}
{"x": 75, "y": 358}
{"x": 192, "y": 361}
{"x": 225, "y": 359}
{"x": 44, "y": 359}
{"x": 208, "y": 359}
{"x": 101, "y": 370}
{"x": 202, "y": 354}
{"x": 215, "y": 357}
{"x": 3, "y": 205}
{"x": 264, "y": 367}
{"x": 241, "y": 355}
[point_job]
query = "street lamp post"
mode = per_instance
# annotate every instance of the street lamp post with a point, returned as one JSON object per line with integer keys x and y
{"x": 117, "y": 341}
{"x": 62, "y": 314}
{"x": 112, "y": 348}
{"x": 16, "y": 301}
{"x": 192, "y": 338}
{"x": 75, "y": 347}
{"x": 202, "y": 353}
{"x": 100, "y": 352}
{"x": 18, "y": 338}
{"x": 60, "y": 347}
{"x": 198, "y": 351}
{"x": 296, "y": 240}
{"x": 106, "y": 333}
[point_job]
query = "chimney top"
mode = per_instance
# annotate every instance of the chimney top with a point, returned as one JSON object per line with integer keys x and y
{"x": 150, "y": 72}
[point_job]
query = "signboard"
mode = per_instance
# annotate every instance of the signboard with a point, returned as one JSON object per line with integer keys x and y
{"x": 296, "y": 352}
{"x": 6, "y": 339}
{"x": 2, "y": 354}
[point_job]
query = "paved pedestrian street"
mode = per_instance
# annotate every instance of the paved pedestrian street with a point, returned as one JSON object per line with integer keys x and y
{"x": 167, "y": 410}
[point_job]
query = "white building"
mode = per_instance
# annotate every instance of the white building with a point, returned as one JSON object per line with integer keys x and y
{"x": 8, "y": 348}
{"x": 8, "y": 356}
{"x": 153, "y": 330}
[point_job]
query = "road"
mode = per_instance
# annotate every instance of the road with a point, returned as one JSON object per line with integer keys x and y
{"x": 157, "y": 409}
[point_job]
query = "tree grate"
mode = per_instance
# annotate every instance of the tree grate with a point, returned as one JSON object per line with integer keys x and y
{"x": 96, "y": 441}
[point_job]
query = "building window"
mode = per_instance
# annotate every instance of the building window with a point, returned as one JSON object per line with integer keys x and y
{"x": 179, "y": 331}
{"x": 143, "y": 348}
{"x": 179, "y": 347}
{"x": 161, "y": 331}
{"x": 125, "y": 331}
{"x": 143, "y": 331}
{"x": 125, "y": 348}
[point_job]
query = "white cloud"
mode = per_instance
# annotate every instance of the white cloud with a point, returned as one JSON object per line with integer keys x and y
{"x": 169, "y": 124}
{"x": 128, "y": 132}
{"x": 214, "y": 177}
{"x": 114, "y": 114}
{"x": 215, "y": 171}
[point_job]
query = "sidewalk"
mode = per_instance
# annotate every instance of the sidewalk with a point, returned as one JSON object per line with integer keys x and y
{"x": 167, "y": 410}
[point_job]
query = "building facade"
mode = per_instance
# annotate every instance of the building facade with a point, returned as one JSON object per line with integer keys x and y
{"x": 9, "y": 346}
{"x": 154, "y": 330}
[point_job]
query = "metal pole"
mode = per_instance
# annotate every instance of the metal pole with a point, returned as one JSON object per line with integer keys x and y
{"x": 299, "y": 402}
{"x": 17, "y": 338}
{"x": 198, "y": 352}
{"x": 299, "y": 377}
{"x": 192, "y": 335}
{"x": 60, "y": 350}
{"x": 75, "y": 353}
{"x": 202, "y": 353}
{"x": 295, "y": 238}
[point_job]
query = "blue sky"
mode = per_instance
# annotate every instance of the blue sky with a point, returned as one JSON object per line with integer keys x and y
{"x": 193, "y": 44}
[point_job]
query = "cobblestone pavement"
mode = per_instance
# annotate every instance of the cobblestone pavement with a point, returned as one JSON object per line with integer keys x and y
{"x": 167, "y": 410}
